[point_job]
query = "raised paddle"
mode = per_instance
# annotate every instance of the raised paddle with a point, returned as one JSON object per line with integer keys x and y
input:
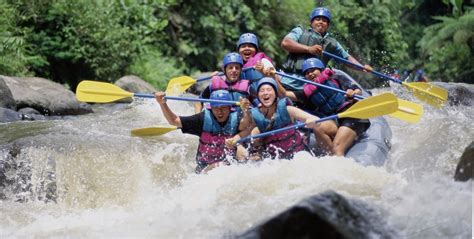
{"x": 102, "y": 92}
{"x": 407, "y": 111}
{"x": 429, "y": 93}
{"x": 153, "y": 131}
{"x": 373, "y": 106}
{"x": 180, "y": 84}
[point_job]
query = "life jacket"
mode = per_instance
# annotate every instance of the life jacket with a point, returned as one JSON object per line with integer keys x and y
{"x": 251, "y": 74}
{"x": 326, "y": 101}
{"x": 309, "y": 37}
{"x": 283, "y": 144}
{"x": 237, "y": 89}
{"x": 211, "y": 147}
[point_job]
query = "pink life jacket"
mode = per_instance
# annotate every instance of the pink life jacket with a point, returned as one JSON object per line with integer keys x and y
{"x": 236, "y": 90}
{"x": 254, "y": 59}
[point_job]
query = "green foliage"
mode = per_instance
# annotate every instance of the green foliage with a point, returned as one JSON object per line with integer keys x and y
{"x": 13, "y": 58}
{"x": 449, "y": 46}
{"x": 155, "y": 68}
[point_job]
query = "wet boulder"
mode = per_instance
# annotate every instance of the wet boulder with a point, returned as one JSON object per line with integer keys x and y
{"x": 6, "y": 97}
{"x": 465, "y": 168}
{"x": 45, "y": 96}
{"x": 134, "y": 84}
{"x": 201, "y": 85}
{"x": 327, "y": 215}
{"x": 458, "y": 93}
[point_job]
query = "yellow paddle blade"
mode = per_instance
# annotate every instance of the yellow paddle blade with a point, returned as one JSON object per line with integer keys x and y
{"x": 408, "y": 111}
{"x": 178, "y": 85}
{"x": 373, "y": 106}
{"x": 99, "y": 92}
{"x": 429, "y": 93}
{"x": 153, "y": 131}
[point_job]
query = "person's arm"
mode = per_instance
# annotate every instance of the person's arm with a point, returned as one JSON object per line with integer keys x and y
{"x": 298, "y": 114}
{"x": 171, "y": 117}
{"x": 282, "y": 92}
{"x": 205, "y": 94}
{"x": 246, "y": 120}
{"x": 291, "y": 45}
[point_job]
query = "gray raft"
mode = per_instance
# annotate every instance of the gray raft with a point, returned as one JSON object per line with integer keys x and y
{"x": 372, "y": 147}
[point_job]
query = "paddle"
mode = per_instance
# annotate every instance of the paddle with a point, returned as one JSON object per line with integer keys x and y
{"x": 180, "y": 84}
{"x": 407, "y": 111}
{"x": 373, "y": 106}
{"x": 429, "y": 93}
{"x": 102, "y": 92}
{"x": 153, "y": 131}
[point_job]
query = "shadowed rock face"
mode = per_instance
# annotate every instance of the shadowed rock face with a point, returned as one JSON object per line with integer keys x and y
{"x": 465, "y": 168}
{"x": 458, "y": 93}
{"x": 327, "y": 215}
{"x": 6, "y": 97}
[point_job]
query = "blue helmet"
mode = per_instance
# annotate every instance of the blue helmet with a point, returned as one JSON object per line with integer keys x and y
{"x": 220, "y": 95}
{"x": 248, "y": 38}
{"x": 267, "y": 80}
{"x": 320, "y": 12}
{"x": 312, "y": 63}
{"x": 232, "y": 57}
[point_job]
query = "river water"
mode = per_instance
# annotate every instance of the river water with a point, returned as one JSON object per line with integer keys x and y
{"x": 110, "y": 184}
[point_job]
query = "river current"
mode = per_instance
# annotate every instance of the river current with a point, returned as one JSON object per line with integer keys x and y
{"x": 110, "y": 184}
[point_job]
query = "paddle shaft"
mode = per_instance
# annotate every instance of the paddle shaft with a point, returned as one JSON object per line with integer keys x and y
{"x": 317, "y": 84}
{"x": 145, "y": 95}
{"x": 361, "y": 67}
{"x": 294, "y": 126}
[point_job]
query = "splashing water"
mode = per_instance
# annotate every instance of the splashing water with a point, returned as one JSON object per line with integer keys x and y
{"x": 110, "y": 184}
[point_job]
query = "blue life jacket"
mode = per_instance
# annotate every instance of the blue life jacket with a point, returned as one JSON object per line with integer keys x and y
{"x": 283, "y": 144}
{"x": 211, "y": 147}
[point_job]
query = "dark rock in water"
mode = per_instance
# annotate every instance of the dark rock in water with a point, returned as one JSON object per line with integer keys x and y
{"x": 6, "y": 97}
{"x": 327, "y": 215}
{"x": 465, "y": 168}
{"x": 45, "y": 96}
{"x": 134, "y": 84}
{"x": 8, "y": 115}
{"x": 458, "y": 93}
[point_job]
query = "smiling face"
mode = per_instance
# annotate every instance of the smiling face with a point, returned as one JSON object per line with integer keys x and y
{"x": 266, "y": 95}
{"x": 232, "y": 72}
{"x": 320, "y": 24}
{"x": 221, "y": 113}
{"x": 312, "y": 74}
{"x": 247, "y": 50}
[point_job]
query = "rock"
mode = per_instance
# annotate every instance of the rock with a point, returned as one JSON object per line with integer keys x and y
{"x": 45, "y": 96}
{"x": 458, "y": 93}
{"x": 6, "y": 97}
{"x": 8, "y": 115}
{"x": 465, "y": 168}
{"x": 133, "y": 84}
{"x": 327, "y": 215}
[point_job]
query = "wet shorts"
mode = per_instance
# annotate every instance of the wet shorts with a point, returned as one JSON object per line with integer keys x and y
{"x": 358, "y": 125}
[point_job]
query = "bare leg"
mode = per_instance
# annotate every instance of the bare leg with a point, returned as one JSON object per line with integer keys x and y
{"x": 255, "y": 155}
{"x": 325, "y": 132}
{"x": 344, "y": 138}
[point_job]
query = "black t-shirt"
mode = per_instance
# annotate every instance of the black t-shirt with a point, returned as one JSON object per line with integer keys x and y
{"x": 303, "y": 101}
{"x": 193, "y": 124}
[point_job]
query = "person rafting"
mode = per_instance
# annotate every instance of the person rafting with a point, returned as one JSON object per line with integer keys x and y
{"x": 333, "y": 137}
{"x": 231, "y": 81}
{"x": 254, "y": 60}
{"x": 302, "y": 44}
{"x": 274, "y": 113}
{"x": 214, "y": 125}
